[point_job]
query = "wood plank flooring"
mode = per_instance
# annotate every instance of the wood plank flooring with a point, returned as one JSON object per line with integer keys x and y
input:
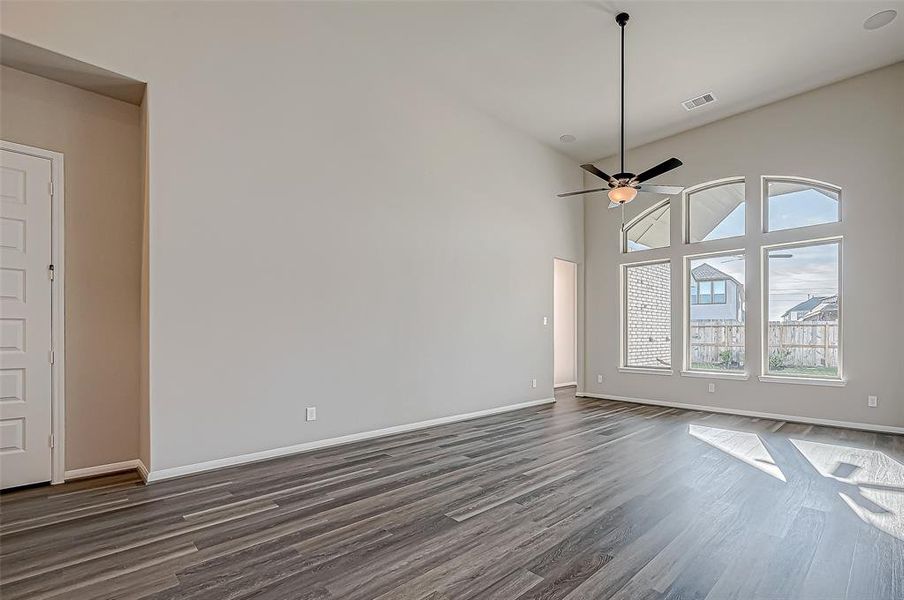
{"x": 581, "y": 499}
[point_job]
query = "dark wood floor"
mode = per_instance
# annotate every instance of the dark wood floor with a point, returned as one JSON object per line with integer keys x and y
{"x": 583, "y": 499}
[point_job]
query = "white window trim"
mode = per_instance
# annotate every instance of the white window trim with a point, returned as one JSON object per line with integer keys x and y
{"x": 803, "y": 380}
{"x": 638, "y": 218}
{"x": 623, "y": 326}
{"x": 764, "y": 196}
{"x": 647, "y": 370}
{"x": 686, "y": 206}
{"x": 767, "y": 377}
{"x": 740, "y": 375}
{"x": 686, "y": 369}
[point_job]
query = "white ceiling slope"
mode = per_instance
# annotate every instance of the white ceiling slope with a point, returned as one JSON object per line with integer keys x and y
{"x": 546, "y": 68}
{"x": 550, "y": 68}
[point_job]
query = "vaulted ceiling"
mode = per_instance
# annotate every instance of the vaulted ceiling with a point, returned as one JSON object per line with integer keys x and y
{"x": 551, "y": 68}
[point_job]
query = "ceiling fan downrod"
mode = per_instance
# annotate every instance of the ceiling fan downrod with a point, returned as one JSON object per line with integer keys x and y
{"x": 624, "y": 186}
{"x": 622, "y": 20}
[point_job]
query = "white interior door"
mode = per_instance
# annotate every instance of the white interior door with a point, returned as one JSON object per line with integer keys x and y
{"x": 25, "y": 319}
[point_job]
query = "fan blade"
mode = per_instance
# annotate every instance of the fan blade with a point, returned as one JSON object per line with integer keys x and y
{"x": 668, "y": 190}
{"x": 591, "y": 169}
{"x": 663, "y": 167}
{"x": 583, "y": 192}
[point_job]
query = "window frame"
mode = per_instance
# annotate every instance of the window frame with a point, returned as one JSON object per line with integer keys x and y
{"x": 686, "y": 364}
{"x": 764, "y": 201}
{"x": 712, "y": 294}
{"x": 765, "y": 374}
{"x": 623, "y": 365}
{"x": 700, "y": 187}
{"x": 643, "y": 214}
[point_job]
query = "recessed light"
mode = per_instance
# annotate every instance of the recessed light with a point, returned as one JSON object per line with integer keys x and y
{"x": 567, "y": 138}
{"x": 880, "y": 19}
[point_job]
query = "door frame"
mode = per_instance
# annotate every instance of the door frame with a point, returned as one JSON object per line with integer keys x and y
{"x": 577, "y": 376}
{"x": 57, "y": 306}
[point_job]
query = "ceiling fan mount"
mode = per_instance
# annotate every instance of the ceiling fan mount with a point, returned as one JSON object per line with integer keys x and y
{"x": 624, "y": 186}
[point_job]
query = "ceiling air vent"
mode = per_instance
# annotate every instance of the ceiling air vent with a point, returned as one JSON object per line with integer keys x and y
{"x": 698, "y": 101}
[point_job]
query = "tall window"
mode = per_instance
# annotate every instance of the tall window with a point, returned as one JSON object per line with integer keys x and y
{"x": 715, "y": 210}
{"x": 647, "y": 315}
{"x": 650, "y": 229}
{"x": 797, "y": 290}
{"x": 716, "y": 313}
{"x": 803, "y": 305}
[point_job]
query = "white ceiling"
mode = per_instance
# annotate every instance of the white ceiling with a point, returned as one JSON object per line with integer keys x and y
{"x": 550, "y": 68}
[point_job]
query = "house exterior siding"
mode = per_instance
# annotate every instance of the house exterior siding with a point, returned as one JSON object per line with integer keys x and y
{"x": 730, "y": 310}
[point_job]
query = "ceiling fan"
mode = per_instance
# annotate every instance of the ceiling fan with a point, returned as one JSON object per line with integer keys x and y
{"x": 623, "y": 187}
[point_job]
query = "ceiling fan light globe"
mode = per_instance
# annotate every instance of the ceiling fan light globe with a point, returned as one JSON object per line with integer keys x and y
{"x": 622, "y": 194}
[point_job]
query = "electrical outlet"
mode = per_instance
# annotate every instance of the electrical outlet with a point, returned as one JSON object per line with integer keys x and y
{"x": 599, "y": 378}
{"x": 533, "y": 383}
{"x": 310, "y": 413}
{"x": 545, "y": 321}
{"x": 712, "y": 388}
{"x": 872, "y": 401}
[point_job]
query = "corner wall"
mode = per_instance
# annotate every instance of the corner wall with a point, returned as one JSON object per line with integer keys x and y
{"x": 144, "y": 375}
{"x": 850, "y": 134}
{"x": 323, "y": 229}
{"x": 100, "y": 138}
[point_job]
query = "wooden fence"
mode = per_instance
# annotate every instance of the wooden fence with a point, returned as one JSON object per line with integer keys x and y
{"x": 801, "y": 344}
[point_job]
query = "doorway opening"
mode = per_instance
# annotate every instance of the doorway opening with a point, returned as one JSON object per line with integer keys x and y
{"x": 565, "y": 322}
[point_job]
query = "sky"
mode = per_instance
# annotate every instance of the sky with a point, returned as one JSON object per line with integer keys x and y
{"x": 811, "y": 271}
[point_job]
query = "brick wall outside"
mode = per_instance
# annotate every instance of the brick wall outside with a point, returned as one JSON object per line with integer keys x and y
{"x": 649, "y": 325}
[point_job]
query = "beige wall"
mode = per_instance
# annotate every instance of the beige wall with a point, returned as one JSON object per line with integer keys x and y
{"x": 100, "y": 139}
{"x": 324, "y": 229}
{"x": 850, "y": 134}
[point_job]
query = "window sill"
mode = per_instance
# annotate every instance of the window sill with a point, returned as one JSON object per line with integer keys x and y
{"x": 803, "y": 381}
{"x": 645, "y": 370}
{"x": 741, "y": 376}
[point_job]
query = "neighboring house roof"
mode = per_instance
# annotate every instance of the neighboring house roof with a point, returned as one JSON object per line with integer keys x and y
{"x": 717, "y": 203}
{"x": 707, "y": 272}
{"x": 806, "y": 305}
{"x": 651, "y": 228}
{"x": 828, "y": 306}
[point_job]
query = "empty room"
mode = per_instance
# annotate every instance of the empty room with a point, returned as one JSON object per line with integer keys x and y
{"x": 450, "y": 300}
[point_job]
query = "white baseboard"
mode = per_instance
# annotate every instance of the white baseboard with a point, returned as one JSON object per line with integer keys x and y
{"x": 142, "y": 470}
{"x": 117, "y": 467}
{"x": 750, "y": 413}
{"x": 242, "y": 459}
{"x": 569, "y": 384}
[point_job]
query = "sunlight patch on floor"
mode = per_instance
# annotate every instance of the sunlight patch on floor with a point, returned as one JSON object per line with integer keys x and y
{"x": 871, "y": 482}
{"x": 744, "y": 446}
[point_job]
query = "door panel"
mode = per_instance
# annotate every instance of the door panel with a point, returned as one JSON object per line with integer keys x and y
{"x": 25, "y": 325}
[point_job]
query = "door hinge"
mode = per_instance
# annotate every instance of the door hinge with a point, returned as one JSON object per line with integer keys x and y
{"x": 51, "y": 357}
{"x": 50, "y": 186}
{"x": 50, "y": 272}
{"x": 50, "y": 440}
